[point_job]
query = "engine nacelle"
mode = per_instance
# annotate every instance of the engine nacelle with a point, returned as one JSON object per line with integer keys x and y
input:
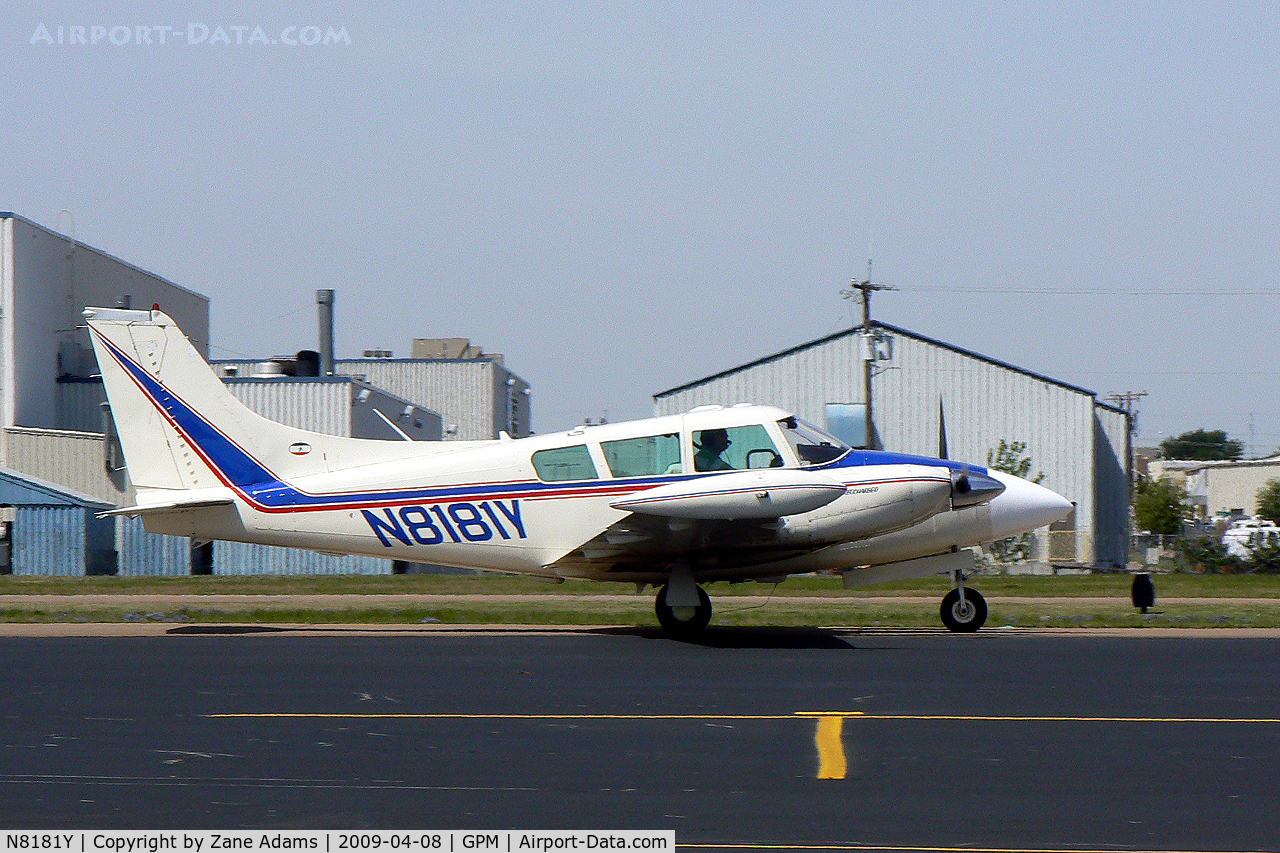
{"x": 885, "y": 498}
{"x": 970, "y": 488}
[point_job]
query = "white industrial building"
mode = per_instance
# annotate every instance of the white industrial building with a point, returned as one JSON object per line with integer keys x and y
{"x": 47, "y": 429}
{"x": 1229, "y": 489}
{"x": 54, "y": 427}
{"x": 1079, "y": 443}
{"x": 46, "y": 280}
{"x": 476, "y": 396}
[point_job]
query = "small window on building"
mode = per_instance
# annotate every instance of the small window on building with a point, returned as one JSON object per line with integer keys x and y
{"x": 848, "y": 422}
{"x": 564, "y": 463}
{"x": 734, "y": 449}
{"x": 643, "y": 457}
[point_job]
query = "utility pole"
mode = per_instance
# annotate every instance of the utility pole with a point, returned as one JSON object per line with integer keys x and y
{"x": 868, "y": 345}
{"x": 1128, "y": 400}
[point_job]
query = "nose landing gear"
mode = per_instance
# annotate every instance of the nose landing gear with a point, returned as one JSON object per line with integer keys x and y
{"x": 963, "y": 610}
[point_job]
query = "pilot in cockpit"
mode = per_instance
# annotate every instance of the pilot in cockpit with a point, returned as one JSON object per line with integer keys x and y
{"x": 713, "y": 442}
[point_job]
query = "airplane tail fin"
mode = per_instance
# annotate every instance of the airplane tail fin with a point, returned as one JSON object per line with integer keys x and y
{"x": 179, "y": 426}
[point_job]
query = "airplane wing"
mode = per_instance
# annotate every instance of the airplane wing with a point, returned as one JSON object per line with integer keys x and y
{"x": 642, "y": 544}
{"x": 723, "y": 522}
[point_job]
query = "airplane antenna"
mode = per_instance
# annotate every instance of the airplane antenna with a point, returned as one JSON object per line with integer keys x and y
{"x": 864, "y": 289}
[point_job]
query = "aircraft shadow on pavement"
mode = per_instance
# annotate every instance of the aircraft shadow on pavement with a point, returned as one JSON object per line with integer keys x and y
{"x": 721, "y": 637}
{"x": 737, "y": 637}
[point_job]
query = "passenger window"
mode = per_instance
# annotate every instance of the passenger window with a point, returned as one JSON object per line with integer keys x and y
{"x": 643, "y": 457}
{"x": 734, "y": 449}
{"x": 564, "y": 463}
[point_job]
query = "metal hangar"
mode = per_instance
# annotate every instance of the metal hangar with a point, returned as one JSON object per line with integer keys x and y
{"x": 921, "y": 384}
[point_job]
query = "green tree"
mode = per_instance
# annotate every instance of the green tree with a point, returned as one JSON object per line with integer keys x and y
{"x": 1159, "y": 506}
{"x": 1010, "y": 457}
{"x": 1268, "y": 501}
{"x": 1202, "y": 444}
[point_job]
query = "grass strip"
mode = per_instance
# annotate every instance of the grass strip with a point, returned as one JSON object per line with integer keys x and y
{"x": 1108, "y": 585}
{"x": 850, "y": 611}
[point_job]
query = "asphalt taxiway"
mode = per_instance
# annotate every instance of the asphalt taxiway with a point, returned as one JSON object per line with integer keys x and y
{"x": 793, "y": 739}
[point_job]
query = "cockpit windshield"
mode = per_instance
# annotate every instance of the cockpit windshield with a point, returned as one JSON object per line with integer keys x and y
{"x": 812, "y": 445}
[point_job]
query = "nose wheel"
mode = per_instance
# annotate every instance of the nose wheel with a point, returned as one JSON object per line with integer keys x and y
{"x": 963, "y": 610}
{"x": 682, "y": 621}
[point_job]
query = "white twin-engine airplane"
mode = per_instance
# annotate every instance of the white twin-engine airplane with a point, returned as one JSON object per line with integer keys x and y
{"x": 717, "y": 494}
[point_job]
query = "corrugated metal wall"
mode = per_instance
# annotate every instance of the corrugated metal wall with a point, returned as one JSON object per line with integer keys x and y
{"x": 73, "y": 460}
{"x": 318, "y": 406}
{"x": 986, "y": 403}
{"x": 61, "y": 540}
{"x": 512, "y": 404}
{"x": 48, "y": 540}
{"x": 461, "y": 391}
{"x": 143, "y": 553}
{"x": 79, "y": 405}
{"x": 240, "y": 558}
{"x": 802, "y": 380}
{"x": 1081, "y": 456}
{"x": 1111, "y": 459}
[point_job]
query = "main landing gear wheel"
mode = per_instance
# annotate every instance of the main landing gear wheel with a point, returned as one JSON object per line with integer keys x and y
{"x": 682, "y": 621}
{"x": 965, "y": 618}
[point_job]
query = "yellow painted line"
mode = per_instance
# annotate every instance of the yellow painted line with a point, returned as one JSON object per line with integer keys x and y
{"x": 831, "y": 760}
{"x": 1035, "y": 718}
{"x": 827, "y": 738}
{"x": 1014, "y": 718}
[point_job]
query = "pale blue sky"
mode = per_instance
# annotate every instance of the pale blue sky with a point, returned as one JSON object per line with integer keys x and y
{"x": 624, "y": 199}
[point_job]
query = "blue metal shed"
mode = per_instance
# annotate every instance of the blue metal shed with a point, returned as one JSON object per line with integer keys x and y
{"x": 50, "y": 530}
{"x": 242, "y": 558}
{"x": 143, "y": 553}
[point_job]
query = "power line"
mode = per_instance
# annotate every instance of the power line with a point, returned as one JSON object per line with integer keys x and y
{"x": 1076, "y": 291}
{"x": 1128, "y": 400}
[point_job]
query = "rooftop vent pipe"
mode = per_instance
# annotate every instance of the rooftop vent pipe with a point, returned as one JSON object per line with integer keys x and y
{"x": 324, "y": 298}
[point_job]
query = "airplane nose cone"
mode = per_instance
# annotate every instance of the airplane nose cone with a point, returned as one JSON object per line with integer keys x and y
{"x": 1024, "y": 506}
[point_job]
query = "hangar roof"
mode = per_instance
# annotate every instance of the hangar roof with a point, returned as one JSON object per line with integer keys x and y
{"x": 897, "y": 330}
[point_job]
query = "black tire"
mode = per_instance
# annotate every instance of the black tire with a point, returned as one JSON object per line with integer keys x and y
{"x": 1143, "y": 592}
{"x": 968, "y": 619}
{"x": 677, "y": 627}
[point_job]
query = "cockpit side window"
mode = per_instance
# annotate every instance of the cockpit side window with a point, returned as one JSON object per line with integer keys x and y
{"x": 644, "y": 456}
{"x": 734, "y": 449}
{"x": 812, "y": 445}
{"x": 564, "y": 463}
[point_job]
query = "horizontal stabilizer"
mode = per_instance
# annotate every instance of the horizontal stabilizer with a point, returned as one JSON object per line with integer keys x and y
{"x": 167, "y": 506}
